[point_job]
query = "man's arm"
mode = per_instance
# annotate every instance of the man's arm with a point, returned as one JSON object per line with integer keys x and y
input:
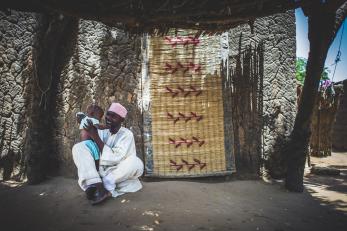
{"x": 101, "y": 126}
{"x": 124, "y": 147}
{"x": 93, "y": 133}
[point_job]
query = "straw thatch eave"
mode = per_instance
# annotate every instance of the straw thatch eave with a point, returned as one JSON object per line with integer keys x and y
{"x": 157, "y": 16}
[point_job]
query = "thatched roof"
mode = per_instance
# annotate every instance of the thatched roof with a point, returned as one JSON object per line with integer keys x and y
{"x": 157, "y": 16}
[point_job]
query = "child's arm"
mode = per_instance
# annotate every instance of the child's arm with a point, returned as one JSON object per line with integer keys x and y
{"x": 101, "y": 126}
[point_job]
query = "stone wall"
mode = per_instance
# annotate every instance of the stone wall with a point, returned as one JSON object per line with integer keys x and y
{"x": 96, "y": 64}
{"x": 17, "y": 36}
{"x": 103, "y": 68}
{"x": 277, "y": 32}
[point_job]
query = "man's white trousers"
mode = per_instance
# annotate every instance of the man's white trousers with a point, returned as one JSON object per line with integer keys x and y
{"x": 118, "y": 179}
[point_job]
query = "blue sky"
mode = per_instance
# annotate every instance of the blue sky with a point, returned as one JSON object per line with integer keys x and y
{"x": 302, "y": 47}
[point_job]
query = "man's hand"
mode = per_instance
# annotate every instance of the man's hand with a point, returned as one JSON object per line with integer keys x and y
{"x": 93, "y": 133}
{"x": 91, "y": 129}
{"x": 80, "y": 116}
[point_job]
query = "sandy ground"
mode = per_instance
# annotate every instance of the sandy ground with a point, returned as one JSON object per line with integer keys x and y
{"x": 205, "y": 204}
{"x": 330, "y": 190}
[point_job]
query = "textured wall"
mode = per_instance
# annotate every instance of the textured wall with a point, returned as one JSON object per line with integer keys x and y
{"x": 17, "y": 33}
{"x": 103, "y": 68}
{"x": 97, "y": 65}
{"x": 279, "y": 92}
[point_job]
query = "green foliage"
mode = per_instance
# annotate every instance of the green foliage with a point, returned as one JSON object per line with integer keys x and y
{"x": 301, "y": 70}
{"x": 324, "y": 75}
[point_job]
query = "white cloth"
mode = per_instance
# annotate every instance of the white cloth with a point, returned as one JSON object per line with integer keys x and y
{"x": 120, "y": 168}
{"x": 123, "y": 178}
{"x": 117, "y": 147}
{"x": 84, "y": 161}
{"x": 84, "y": 122}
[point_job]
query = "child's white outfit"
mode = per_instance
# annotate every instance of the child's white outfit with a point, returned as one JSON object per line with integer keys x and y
{"x": 92, "y": 146}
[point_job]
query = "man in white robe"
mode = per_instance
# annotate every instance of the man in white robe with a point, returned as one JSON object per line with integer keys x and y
{"x": 119, "y": 169}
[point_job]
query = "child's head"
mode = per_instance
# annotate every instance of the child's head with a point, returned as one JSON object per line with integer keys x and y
{"x": 95, "y": 111}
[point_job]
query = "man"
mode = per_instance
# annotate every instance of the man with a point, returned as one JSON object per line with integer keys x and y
{"x": 120, "y": 168}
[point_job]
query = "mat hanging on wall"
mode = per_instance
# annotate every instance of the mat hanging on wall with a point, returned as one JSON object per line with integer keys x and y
{"x": 185, "y": 124}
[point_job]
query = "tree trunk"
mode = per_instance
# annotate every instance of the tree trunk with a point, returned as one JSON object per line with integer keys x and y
{"x": 321, "y": 22}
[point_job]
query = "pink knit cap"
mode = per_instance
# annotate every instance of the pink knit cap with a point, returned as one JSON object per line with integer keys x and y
{"x": 118, "y": 109}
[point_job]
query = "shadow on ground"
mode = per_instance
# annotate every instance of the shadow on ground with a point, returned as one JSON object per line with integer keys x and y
{"x": 59, "y": 204}
{"x": 330, "y": 191}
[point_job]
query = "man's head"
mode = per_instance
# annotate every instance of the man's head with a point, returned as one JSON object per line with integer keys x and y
{"x": 94, "y": 111}
{"x": 115, "y": 115}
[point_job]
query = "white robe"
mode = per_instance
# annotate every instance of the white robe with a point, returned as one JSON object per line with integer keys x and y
{"x": 84, "y": 122}
{"x": 119, "y": 169}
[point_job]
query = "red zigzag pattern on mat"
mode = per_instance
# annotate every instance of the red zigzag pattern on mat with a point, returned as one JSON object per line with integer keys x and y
{"x": 174, "y": 41}
{"x": 186, "y": 67}
{"x": 190, "y": 166}
{"x": 181, "y": 90}
{"x": 184, "y": 117}
{"x": 189, "y": 143}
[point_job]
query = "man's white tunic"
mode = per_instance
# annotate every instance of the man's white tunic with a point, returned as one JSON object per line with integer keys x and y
{"x": 119, "y": 169}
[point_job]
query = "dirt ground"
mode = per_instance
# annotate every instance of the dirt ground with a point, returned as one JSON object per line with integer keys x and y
{"x": 204, "y": 204}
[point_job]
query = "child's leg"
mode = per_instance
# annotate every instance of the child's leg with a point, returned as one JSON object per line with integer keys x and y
{"x": 84, "y": 135}
{"x": 94, "y": 151}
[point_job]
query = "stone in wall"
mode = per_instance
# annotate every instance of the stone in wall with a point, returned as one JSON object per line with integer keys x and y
{"x": 104, "y": 68}
{"x": 17, "y": 35}
{"x": 279, "y": 87}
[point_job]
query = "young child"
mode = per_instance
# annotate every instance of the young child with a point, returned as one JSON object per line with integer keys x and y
{"x": 94, "y": 113}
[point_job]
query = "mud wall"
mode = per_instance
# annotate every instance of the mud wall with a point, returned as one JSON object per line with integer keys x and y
{"x": 52, "y": 67}
{"x": 17, "y": 36}
{"x": 104, "y": 68}
{"x": 277, "y": 33}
